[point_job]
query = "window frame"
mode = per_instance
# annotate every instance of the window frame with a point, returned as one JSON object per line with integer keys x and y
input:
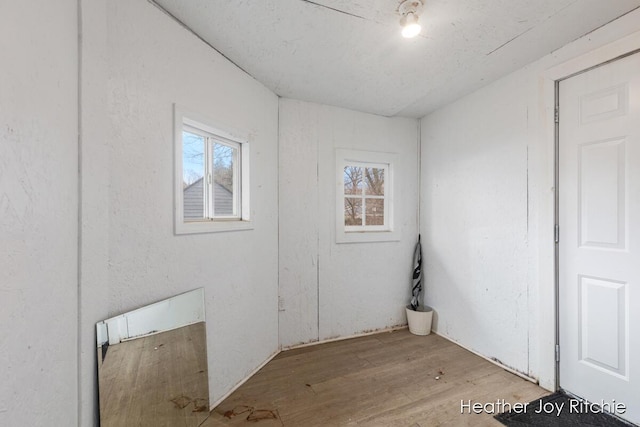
{"x": 200, "y": 125}
{"x": 364, "y": 233}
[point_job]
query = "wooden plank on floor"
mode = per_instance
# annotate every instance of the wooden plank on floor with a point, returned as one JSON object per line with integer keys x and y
{"x": 386, "y": 379}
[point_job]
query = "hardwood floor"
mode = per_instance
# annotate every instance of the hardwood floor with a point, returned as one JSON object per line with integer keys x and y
{"x": 158, "y": 380}
{"x": 388, "y": 379}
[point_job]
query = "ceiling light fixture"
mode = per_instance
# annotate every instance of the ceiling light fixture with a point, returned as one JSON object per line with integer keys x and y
{"x": 410, "y": 11}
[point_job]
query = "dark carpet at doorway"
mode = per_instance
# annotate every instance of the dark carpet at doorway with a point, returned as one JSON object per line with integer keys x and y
{"x": 566, "y": 418}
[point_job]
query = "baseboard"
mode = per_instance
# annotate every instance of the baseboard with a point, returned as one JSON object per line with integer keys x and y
{"x": 488, "y": 359}
{"x": 348, "y": 337}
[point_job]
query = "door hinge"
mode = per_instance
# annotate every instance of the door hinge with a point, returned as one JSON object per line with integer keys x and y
{"x": 557, "y": 352}
{"x": 556, "y": 115}
{"x": 556, "y": 233}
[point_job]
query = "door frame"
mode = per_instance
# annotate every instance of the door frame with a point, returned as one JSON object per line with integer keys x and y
{"x": 549, "y": 309}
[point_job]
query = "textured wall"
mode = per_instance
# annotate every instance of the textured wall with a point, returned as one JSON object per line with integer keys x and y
{"x": 487, "y": 203}
{"x": 38, "y": 213}
{"x": 153, "y": 63}
{"x": 474, "y": 222}
{"x": 94, "y": 199}
{"x": 330, "y": 290}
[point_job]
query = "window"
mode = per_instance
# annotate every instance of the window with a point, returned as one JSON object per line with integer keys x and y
{"x": 209, "y": 171}
{"x": 212, "y": 177}
{"x": 364, "y": 202}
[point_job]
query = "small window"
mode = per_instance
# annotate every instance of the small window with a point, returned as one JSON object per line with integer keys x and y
{"x": 364, "y": 201}
{"x": 212, "y": 169}
{"x": 210, "y": 176}
{"x": 364, "y": 196}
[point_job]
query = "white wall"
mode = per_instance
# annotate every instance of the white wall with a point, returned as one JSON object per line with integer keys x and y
{"x": 38, "y": 213}
{"x": 153, "y": 63}
{"x": 330, "y": 290}
{"x": 474, "y": 213}
{"x": 94, "y": 198}
{"x": 487, "y": 211}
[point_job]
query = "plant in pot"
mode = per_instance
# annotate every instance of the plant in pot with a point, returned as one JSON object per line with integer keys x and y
{"x": 419, "y": 318}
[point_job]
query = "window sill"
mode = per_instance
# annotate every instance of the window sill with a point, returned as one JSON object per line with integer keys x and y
{"x": 212, "y": 226}
{"x": 366, "y": 236}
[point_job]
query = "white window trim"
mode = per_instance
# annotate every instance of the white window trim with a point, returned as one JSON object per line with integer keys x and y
{"x": 184, "y": 117}
{"x": 347, "y": 234}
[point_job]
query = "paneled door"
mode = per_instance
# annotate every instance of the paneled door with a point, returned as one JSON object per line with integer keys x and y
{"x": 599, "y": 234}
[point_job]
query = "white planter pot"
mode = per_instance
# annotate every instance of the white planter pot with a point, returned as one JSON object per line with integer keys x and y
{"x": 420, "y": 321}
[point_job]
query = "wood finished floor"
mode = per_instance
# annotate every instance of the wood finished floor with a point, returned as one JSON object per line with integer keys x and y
{"x": 157, "y": 380}
{"x": 387, "y": 379}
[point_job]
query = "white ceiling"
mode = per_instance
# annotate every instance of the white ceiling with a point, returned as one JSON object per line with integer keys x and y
{"x": 350, "y": 53}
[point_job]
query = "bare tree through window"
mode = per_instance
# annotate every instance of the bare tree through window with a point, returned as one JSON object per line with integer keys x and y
{"x": 363, "y": 196}
{"x": 192, "y": 158}
{"x": 208, "y": 176}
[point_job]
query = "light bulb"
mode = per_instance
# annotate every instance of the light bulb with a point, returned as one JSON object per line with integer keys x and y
{"x": 411, "y": 28}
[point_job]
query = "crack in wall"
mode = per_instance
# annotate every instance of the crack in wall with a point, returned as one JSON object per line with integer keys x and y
{"x": 344, "y": 12}
{"x": 531, "y": 28}
{"x": 334, "y": 9}
{"x": 510, "y": 40}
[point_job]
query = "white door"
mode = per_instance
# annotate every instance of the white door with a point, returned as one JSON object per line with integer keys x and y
{"x": 599, "y": 246}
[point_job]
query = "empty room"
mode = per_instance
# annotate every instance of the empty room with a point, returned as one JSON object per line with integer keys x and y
{"x": 319, "y": 213}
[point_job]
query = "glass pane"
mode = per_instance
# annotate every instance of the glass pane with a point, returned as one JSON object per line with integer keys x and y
{"x": 192, "y": 176}
{"x": 374, "y": 181}
{"x": 375, "y": 211}
{"x": 352, "y": 180}
{"x": 224, "y": 158}
{"x": 352, "y": 211}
